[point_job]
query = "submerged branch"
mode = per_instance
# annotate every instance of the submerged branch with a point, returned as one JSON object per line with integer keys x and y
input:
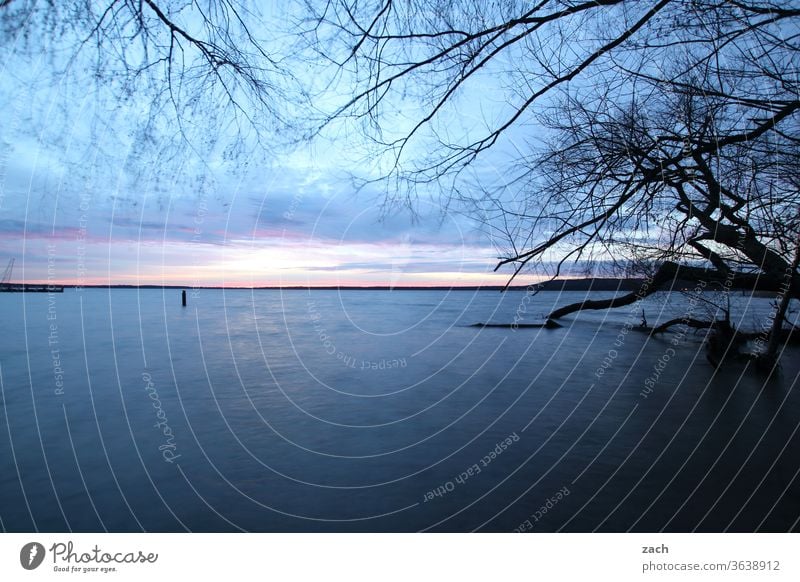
{"x": 665, "y": 278}
{"x": 688, "y": 322}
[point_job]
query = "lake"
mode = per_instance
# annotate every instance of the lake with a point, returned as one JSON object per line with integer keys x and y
{"x": 354, "y": 410}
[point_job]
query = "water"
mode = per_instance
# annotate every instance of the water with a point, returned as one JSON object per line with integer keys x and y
{"x": 382, "y": 411}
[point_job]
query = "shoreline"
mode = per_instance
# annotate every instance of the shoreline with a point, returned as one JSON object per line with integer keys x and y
{"x": 594, "y": 284}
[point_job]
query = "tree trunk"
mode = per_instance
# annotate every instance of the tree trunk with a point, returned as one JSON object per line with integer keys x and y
{"x": 770, "y": 356}
{"x": 665, "y": 277}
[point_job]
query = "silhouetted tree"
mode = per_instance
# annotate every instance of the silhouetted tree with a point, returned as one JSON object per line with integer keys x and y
{"x": 660, "y": 132}
{"x": 624, "y": 132}
{"x": 203, "y": 71}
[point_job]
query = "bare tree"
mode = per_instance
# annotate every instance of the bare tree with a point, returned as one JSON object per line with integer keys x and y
{"x": 665, "y": 131}
{"x": 203, "y": 73}
{"x": 655, "y": 131}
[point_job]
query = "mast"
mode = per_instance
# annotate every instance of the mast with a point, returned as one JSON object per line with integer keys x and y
{"x": 6, "y": 280}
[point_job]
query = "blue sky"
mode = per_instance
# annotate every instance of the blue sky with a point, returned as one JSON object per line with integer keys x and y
{"x": 275, "y": 225}
{"x": 85, "y": 199}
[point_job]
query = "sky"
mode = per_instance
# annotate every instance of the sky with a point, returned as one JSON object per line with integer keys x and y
{"x": 274, "y": 226}
{"x": 85, "y": 208}
{"x": 280, "y": 225}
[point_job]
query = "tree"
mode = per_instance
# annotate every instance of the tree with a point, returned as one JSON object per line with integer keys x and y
{"x": 170, "y": 73}
{"x": 628, "y": 132}
{"x": 667, "y": 130}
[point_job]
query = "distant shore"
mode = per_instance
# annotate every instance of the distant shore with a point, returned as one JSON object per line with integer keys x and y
{"x": 584, "y": 284}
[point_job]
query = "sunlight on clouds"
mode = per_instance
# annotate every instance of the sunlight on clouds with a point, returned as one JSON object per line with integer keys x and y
{"x": 327, "y": 263}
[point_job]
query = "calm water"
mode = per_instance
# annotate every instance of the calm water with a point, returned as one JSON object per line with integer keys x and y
{"x": 381, "y": 411}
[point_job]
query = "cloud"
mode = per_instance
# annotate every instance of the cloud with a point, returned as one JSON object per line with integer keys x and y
{"x": 292, "y": 222}
{"x": 412, "y": 266}
{"x": 12, "y": 229}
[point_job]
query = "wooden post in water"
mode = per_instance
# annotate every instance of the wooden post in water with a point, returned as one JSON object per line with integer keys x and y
{"x": 183, "y": 297}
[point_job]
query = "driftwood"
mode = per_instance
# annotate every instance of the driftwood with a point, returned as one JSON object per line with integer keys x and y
{"x": 724, "y": 342}
{"x": 549, "y": 324}
{"x": 688, "y": 322}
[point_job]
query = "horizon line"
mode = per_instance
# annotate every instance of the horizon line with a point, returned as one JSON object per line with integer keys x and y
{"x": 544, "y": 283}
